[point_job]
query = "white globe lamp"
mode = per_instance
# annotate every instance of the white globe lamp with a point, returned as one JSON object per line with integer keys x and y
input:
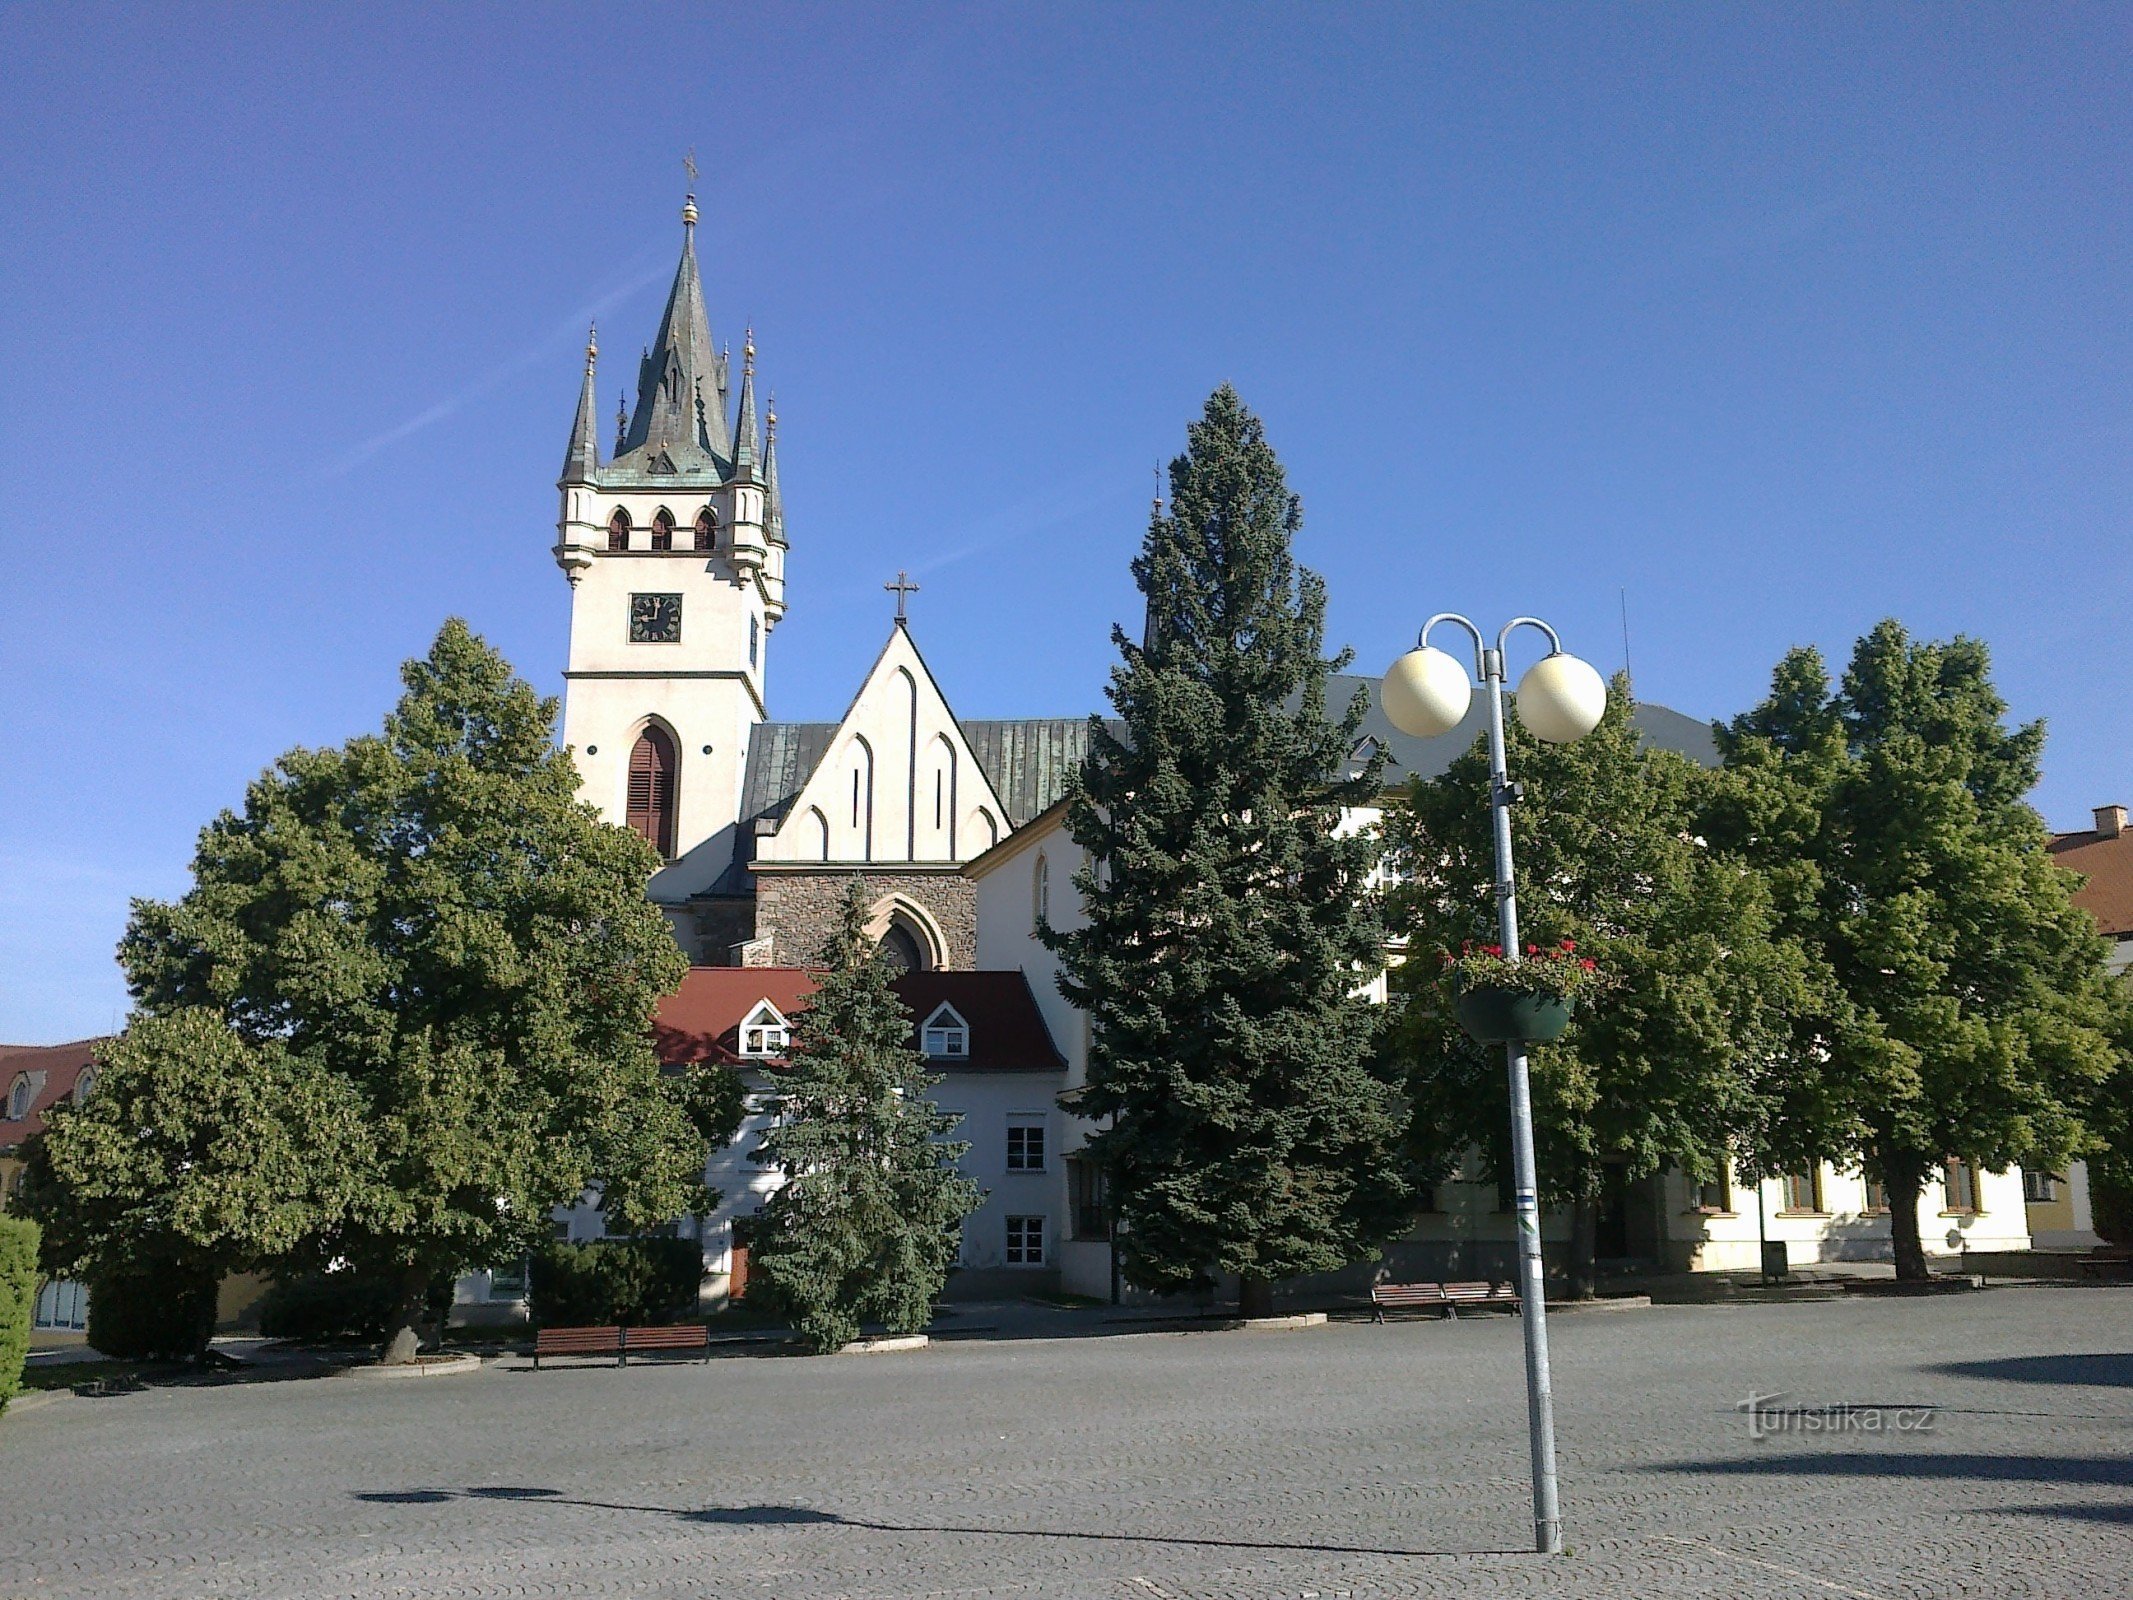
{"x": 1425, "y": 693}
{"x": 1560, "y": 699}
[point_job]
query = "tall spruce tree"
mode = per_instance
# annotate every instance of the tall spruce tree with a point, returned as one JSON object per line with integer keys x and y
{"x": 1976, "y": 1019}
{"x": 404, "y": 1011}
{"x": 1228, "y": 920}
{"x": 864, "y": 1227}
{"x": 1678, "y": 1062}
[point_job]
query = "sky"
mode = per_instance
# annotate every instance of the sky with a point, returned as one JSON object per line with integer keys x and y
{"x": 1753, "y": 325}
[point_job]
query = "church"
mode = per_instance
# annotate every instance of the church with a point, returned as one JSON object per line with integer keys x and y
{"x": 674, "y": 545}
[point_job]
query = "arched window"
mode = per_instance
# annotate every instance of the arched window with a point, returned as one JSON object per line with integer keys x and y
{"x": 618, "y": 530}
{"x": 900, "y": 949}
{"x": 707, "y": 529}
{"x": 654, "y": 768}
{"x": 1042, "y": 886}
{"x": 18, "y": 1099}
{"x": 663, "y": 530}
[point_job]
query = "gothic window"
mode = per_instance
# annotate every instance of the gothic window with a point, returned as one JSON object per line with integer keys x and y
{"x": 618, "y": 530}
{"x": 663, "y": 530}
{"x": 755, "y": 639}
{"x": 1041, "y": 887}
{"x": 18, "y": 1099}
{"x": 707, "y": 529}
{"x": 655, "y": 766}
{"x": 900, "y": 949}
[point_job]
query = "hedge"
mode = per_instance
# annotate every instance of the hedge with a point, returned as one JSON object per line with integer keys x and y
{"x": 18, "y": 1300}
{"x": 152, "y": 1311}
{"x": 631, "y": 1282}
{"x": 319, "y": 1307}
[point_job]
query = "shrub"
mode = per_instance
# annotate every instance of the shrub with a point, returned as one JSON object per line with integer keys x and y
{"x": 18, "y": 1299}
{"x": 632, "y": 1282}
{"x": 321, "y": 1307}
{"x": 155, "y": 1310}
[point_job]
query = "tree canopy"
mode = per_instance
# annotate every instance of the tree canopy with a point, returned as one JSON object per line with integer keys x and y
{"x": 403, "y": 1012}
{"x": 1227, "y": 924}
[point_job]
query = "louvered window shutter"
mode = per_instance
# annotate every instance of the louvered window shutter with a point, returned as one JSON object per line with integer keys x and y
{"x": 651, "y": 790}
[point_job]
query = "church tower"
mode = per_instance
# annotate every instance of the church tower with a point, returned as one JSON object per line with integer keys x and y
{"x": 675, "y": 552}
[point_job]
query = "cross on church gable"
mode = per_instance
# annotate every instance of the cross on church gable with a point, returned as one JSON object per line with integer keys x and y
{"x": 903, "y": 588}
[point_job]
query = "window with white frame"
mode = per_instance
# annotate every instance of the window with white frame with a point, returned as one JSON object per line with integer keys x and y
{"x": 1025, "y": 1241}
{"x": 507, "y": 1280}
{"x": 62, "y": 1306}
{"x": 764, "y": 1033}
{"x": 2040, "y": 1187}
{"x": 18, "y": 1099}
{"x": 1025, "y": 1143}
{"x": 946, "y": 1034}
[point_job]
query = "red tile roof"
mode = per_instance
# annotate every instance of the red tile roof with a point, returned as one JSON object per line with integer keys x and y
{"x": 53, "y": 1071}
{"x": 2108, "y": 865}
{"x": 701, "y": 1020}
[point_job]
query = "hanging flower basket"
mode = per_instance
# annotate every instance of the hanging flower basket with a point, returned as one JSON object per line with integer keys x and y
{"x": 1510, "y": 1016}
{"x": 1501, "y": 1001}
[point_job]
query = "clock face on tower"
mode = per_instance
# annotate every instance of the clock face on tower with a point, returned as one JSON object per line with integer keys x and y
{"x": 655, "y": 619}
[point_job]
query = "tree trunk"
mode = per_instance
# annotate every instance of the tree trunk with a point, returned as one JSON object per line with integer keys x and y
{"x": 1903, "y": 1186}
{"x": 403, "y": 1337}
{"x": 1584, "y": 1247}
{"x": 1255, "y": 1296}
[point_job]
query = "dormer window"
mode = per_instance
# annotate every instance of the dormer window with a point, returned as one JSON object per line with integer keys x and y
{"x": 85, "y": 1085}
{"x": 707, "y": 529}
{"x": 764, "y": 1033}
{"x": 946, "y": 1035}
{"x": 663, "y": 530}
{"x": 18, "y": 1099}
{"x": 618, "y": 530}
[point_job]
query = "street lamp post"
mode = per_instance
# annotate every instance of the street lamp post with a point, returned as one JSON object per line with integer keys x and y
{"x": 1560, "y": 699}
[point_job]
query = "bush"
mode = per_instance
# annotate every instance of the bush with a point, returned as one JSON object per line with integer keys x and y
{"x": 632, "y": 1282}
{"x": 152, "y": 1311}
{"x": 18, "y": 1300}
{"x": 321, "y": 1307}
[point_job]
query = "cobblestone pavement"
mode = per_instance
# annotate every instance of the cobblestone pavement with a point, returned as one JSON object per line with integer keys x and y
{"x": 1342, "y": 1460}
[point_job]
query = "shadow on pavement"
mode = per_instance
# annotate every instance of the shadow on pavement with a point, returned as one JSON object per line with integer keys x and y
{"x": 756, "y": 1516}
{"x": 2095, "y": 1371}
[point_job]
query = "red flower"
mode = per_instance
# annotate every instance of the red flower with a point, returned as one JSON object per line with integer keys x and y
{"x": 1492, "y": 949}
{"x": 1589, "y": 964}
{"x": 1570, "y": 944}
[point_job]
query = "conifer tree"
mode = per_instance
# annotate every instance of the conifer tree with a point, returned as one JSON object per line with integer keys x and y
{"x": 1229, "y": 923}
{"x": 864, "y": 1227}
{"x": 1977, "y": 1019}
{"x": 1679, "y": 1061}
{"x": 403, "y": 1012}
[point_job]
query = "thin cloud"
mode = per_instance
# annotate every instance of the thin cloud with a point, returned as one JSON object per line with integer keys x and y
{"x": 559, "y": 337}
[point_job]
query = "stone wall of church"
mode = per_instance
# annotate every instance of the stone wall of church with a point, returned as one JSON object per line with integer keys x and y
{"x": 799, "y": 910}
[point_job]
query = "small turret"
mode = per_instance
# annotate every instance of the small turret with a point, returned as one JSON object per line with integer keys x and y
{"x": 582, "y": 459}
{"x": 747, "y": 445}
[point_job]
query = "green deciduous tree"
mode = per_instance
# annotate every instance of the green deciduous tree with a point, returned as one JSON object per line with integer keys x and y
{"x": 1975, "y": 1017}
{"x": 1228, "y": 920}
{"x": 403, "y": 1012}
{"x": 1675, "y": 1062}
{"x": 864, "y": 1227}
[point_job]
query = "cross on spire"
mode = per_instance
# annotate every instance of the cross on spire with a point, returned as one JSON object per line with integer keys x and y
{"x": 903, "y": 588}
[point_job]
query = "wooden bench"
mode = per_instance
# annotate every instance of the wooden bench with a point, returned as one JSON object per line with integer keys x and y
{"x": 1450, "y": 1297}
{"x": 621, "y": 1343}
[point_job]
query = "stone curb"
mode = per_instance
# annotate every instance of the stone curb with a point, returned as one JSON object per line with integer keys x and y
{"x": 449, "y": 1367}
{"x": 1295, "y": 1319}
{"x": 885, "y": 1346}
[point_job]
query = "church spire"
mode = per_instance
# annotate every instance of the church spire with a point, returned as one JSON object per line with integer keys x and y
{"x": 582, "y": 459}
{"x": 746, "y": 436}
{"x": 681, "y": 357}
{"x": 773, "y": 500}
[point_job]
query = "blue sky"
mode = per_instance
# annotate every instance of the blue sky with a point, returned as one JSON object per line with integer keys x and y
{"x": 1780, "y": 319}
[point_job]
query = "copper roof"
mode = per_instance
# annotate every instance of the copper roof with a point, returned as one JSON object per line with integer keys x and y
{"x": 52, "y": 1069}
{"x": 2107, "y": 863}
{"x": 701, "y": 1020}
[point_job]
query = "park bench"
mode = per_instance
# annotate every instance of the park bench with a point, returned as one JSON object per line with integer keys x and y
{"x": 1449, "y": 1297}
{"x": 622, "y": 1343}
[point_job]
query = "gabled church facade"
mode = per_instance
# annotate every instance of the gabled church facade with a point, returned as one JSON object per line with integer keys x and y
{"x": 674, "y": 546}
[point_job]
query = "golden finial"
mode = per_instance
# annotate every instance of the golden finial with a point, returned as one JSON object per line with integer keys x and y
{"x": 688, "y": 205}
{"x": 592, "y": 345}
{"x": 770, "y": 417}
{"x": 748, "y": 351}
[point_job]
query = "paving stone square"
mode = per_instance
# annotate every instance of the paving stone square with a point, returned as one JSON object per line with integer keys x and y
{"x": 1083, "y": 1459}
